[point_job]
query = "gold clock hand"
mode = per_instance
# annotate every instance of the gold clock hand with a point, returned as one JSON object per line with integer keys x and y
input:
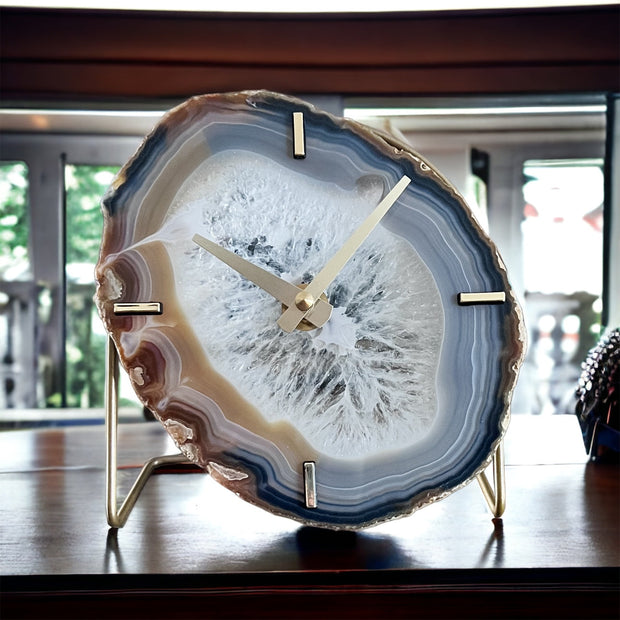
{"x": 306, "y": 298}
{"x": 282, "y": 290}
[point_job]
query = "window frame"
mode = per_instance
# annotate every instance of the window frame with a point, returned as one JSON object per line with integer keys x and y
{"x": 45, "y": 156}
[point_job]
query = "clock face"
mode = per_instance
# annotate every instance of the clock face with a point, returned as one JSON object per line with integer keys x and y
{"x": 399, "y": 397}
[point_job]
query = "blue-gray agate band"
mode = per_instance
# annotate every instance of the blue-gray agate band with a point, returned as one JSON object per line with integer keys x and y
{"x": 399, "y": 399}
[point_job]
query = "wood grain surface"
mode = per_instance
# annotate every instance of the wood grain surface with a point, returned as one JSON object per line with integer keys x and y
{"x": 190, "y": 540}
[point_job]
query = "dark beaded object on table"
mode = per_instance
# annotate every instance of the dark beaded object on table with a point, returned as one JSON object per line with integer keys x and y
{"x": 598, "y": 394}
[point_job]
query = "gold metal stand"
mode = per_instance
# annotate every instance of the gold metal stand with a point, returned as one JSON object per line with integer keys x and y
{"x": 495, "y": 494}
{"x": 118, "y": 517}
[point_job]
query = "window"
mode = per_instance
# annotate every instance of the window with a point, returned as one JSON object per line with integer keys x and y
{"x": 562, "y": 232}
{"x": 17, "y": 291}
{"x": 51, "y": 339}
{"x": 85, "y": 337}
{"x": 563, "y": 226}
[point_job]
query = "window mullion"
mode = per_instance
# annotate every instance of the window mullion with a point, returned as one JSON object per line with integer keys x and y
{"x": 47, "y": 233}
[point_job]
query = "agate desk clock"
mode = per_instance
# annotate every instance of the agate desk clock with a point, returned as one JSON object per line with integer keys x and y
{"x": 309, "y": 308}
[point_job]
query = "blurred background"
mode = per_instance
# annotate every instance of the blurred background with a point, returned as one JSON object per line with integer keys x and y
{"x": 516, "y": 106}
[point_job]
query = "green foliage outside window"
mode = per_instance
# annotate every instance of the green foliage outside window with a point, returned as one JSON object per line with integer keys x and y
{"x": 13, "y": 221}
{"x": 85, "y": 343}
{"x": 85, "y": 187}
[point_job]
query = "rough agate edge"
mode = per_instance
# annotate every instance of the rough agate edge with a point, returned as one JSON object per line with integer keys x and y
{"x": 458, "y": 365}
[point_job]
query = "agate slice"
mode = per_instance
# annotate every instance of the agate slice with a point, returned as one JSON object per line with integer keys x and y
{"x": 399, "y": 399}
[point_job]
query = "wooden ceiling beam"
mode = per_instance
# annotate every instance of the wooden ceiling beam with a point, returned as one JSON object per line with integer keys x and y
{"x": 76, "y": 55}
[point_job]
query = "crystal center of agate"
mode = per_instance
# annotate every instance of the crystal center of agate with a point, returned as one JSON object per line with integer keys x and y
{"x": 362, "y": 385}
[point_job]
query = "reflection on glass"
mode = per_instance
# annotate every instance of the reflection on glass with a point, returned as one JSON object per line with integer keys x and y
{"x": 562, "y": 253}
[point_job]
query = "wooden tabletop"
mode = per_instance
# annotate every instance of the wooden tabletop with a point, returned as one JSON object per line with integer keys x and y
{"x": 188, "y": 538}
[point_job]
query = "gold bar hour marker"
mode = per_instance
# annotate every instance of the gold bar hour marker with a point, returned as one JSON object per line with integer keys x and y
{"x": 138, "y": 308}
{"x": 471, "y": 299}
{"x": 310, "y": 483}
{"x": 299, "y": 138}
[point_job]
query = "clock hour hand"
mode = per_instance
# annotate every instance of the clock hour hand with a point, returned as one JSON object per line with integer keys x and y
{"x": 282, "y": 290}
{"x": 306, "y": 299}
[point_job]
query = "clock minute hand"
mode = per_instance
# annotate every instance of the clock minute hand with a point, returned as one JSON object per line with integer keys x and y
{"x": 282, "y": 290}
{"x": 306, "y": 299}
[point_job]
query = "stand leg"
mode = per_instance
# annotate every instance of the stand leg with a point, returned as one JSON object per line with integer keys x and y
{"x": 495, "y": 494}
{"x": 118, "y": 517}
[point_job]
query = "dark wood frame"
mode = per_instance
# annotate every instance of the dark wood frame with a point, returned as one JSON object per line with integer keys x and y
{"x": 439, "y": 594}
{"x": 80, "y": 55}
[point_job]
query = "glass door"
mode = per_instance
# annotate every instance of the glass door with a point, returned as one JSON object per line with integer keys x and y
{"x": 562, "y": 236}
{"x": 52, "y": 343}
{"x": 18, "y": 293}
